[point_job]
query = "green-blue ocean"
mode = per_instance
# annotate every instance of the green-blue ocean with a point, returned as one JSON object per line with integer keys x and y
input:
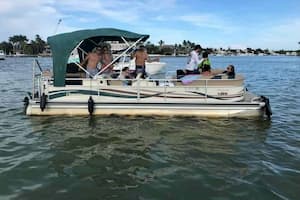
{"x": 149, "y": 158}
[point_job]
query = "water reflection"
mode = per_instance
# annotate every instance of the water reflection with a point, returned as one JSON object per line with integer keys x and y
{"x": 116, "y": 153}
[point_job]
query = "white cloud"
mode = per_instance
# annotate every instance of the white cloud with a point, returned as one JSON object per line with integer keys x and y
{"x": 118, "y": 10}
{"x": 208, "y": 21}
{"x": 155, "y": 17}
{"x": 27, "y": 18}
{"x": 281, "y": 35}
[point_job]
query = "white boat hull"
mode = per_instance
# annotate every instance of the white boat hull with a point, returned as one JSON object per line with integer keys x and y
{"x": 207, "y": 110}
{"x": 245, "y": 108}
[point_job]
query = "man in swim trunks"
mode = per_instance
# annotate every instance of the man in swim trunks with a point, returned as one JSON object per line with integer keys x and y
{"x": 92, "y": 60}
{"x": 106, "y": 59}
{"x": 140, "y": 61}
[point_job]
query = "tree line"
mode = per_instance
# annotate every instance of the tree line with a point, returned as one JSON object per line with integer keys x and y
{"x": 186, "y": 46}
{"x": 177, "y": 49}
{"x": 21, "y": 44}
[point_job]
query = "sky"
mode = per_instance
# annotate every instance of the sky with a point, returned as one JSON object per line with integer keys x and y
{"x": 266, "y": 24}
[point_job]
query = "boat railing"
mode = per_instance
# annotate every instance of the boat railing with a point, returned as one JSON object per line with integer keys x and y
{"x": 165, "y": 86}
{"x": 36, "y": 79}
{"x": 39, "y": 79}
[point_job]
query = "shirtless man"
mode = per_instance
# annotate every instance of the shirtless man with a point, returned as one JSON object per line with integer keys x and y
{"x": 140, "y": 61}
{"x": 92, "y": 60}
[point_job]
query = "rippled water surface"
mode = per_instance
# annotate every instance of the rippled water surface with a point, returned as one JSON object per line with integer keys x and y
{"x": 154, "y": 158}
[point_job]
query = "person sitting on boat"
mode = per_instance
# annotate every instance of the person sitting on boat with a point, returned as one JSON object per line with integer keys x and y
{"x": 206, "y": 71}
{"x": 91, "y": 61}
{"x": 191, "y": 67}
{"x": 230, "y": 72}
{"x": 125, "y": 74}
{"x": 140, "y": 61}
{"x": 204, "y": 62}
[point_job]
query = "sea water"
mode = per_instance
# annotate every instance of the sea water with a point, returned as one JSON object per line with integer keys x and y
{"x": 60, "y": 157}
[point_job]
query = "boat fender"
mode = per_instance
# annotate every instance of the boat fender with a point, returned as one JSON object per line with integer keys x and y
{"x": 43, "y": 102}
{"x": 26, "y": 103}
{"x": 91, "y": 105}
{"x": 268, "y": 110}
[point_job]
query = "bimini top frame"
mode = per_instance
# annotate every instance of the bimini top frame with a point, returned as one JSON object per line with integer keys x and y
{"x": 62, "y": 45}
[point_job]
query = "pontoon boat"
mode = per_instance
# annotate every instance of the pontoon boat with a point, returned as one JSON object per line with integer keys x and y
{"x": 67, "y": 91}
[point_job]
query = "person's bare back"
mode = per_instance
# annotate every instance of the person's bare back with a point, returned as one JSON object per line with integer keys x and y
{"x": 140, "y": 57}
{"x": 93, "y": 59}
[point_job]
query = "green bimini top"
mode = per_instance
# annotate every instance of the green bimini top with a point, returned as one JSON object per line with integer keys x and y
{"x": 62, "y": 45}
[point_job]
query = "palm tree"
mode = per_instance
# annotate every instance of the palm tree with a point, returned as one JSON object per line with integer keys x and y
{"x": 40, "y": 44}
{"x": 175, "y": 49}
{"x": 161, "y": 43}
{"x": 6, "y": 46}
{"x": 18, "y": 42}
{"x": 184, "y": 43}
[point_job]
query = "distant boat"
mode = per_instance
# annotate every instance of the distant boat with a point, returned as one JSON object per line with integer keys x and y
{"x": 2, "y": 55}
{"x": 151, "y": 67}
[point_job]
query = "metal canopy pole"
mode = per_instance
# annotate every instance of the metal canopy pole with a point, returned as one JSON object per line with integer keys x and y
{"x": 78, "y": 47}
{"x": 83, "y": 69}
{"x": 119, "y": 56}
{"x": 125, "y": 41}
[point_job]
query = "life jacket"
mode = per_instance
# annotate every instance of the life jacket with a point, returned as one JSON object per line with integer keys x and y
{"x": 205, "y": 62}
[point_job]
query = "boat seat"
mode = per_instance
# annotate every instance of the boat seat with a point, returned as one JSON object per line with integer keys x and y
{"x": 217, "y": 82}
{"x": 76, "y": 75}
{"x": 222, "y": 81}
{"x": 114, "y": 82}
{"x": 73, "y": 71}
{"x": 72, "y": 68}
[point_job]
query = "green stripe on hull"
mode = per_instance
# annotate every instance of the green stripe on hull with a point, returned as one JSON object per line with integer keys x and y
{"x": 63, "y": 93}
